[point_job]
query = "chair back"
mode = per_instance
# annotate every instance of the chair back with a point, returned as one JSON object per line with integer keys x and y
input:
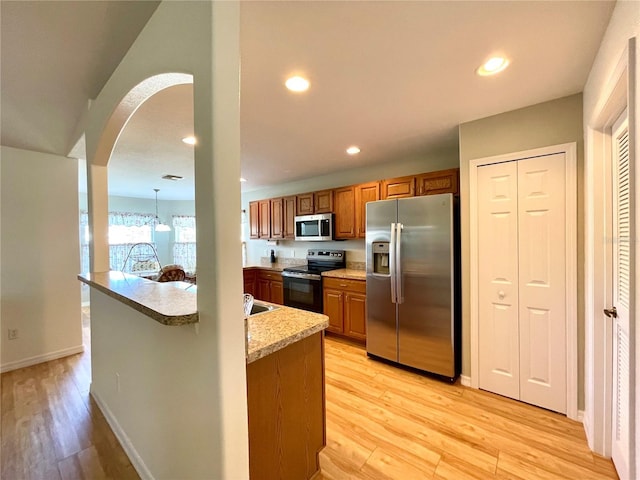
{"x": 171, "y": 273}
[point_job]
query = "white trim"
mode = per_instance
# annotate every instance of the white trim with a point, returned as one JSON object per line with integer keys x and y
{"x": 571, "y": 194}
{"x": 465, "y": 380}
{"x": 580, "y": 417}
{"x": 598, "y": 336}
{"x": 125, "y": 442}
{"x": 27, "y": 362}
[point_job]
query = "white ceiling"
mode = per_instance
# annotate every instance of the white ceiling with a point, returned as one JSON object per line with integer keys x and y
{"x": 395, "y": 78}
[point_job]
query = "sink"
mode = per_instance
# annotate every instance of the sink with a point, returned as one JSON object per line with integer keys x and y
{"x": 259, "y": 307}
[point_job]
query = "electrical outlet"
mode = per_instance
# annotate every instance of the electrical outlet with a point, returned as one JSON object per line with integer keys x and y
{"x": 13, "y": 333}
{"x": 118, "y": 382}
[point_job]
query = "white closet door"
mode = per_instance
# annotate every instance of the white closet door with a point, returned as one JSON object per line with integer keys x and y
{"x": 622, "y": 285}
{"x": 541, "y": 278}
{"x": 498, "y": 279}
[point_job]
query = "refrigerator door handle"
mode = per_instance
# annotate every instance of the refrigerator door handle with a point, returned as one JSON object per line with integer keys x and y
{"x": 392, "y": 262}
{"x": 398, "y": 262}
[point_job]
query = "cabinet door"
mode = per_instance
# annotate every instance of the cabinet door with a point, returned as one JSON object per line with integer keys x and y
{"x": 277, "y": 292}
{"x": 263, "y": 290}
{"x": 345, "y": 212}
{"x": 355, "y": 315}
{"x": 254, "y": 220}
{"x": 398, "y": 187}
{"x": 249, "y": 279}
{"x": 443, "y": 181}
{"x": 265, "y": 218}
{"x": 367, "y": 192}
{"x": 323, "y": 201}
{"x": 304, "y": 204}
{"x": 333, "y": 308}
{"x": 277, "y": 218}
{"x": 289, "y": 205}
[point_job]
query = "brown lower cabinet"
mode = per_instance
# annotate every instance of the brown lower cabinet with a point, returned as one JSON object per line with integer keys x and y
{"x": 286, "y": 405}
{"x": 249, "y": 280}
{"x": 345, "y": 303}
{"x": 269, "y": 286}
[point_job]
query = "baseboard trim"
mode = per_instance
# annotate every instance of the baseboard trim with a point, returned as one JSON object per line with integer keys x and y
{"x": 122, "y": 437}
{"x": 465, "y": 380}
{"x": 47, "y": 357}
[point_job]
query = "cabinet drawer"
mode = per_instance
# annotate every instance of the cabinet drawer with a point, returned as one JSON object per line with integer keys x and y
{"x": 269, "y": 275}
{"x": 359, "y": 286}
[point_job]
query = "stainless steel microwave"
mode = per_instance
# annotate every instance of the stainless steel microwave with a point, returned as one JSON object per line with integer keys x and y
{"x": 314, "y": 228}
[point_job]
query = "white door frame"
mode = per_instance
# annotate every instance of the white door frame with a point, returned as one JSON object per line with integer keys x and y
{"x": 569, "y": 149}
{"x": 619, "y": 93}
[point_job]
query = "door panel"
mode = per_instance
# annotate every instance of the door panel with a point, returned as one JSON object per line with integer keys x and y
{"x": 381, "y": 311}
{"x": 542, "y": 276}
{"x": 622, "y": 286}
{"x": 499, "y": 358}
{"x": 425, "y": 316}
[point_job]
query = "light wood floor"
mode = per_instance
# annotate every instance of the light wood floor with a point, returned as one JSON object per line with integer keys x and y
{"x": 52, "y": 429}
{"x": 388, "y": 423}
{"x": 382, "y": 423}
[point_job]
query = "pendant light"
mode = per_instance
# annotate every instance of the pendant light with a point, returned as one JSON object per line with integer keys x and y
{"x": 160, "y": 227}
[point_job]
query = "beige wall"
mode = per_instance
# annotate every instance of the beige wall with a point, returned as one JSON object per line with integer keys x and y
{"x": 39, "y": 256}
{"x": 550, "y": 123}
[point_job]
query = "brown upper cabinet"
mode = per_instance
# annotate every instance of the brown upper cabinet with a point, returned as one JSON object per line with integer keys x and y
{"x": 444, "y": 181}
{"x": 254, "y": 220}
{"x": 304, "y": 204}
{"x": 277, "y": 218}
{"x": 365, "y": 192}
{"x": 398, "y": 187}
{"x": 264, "y": 219}
{"x": 344, "y": 208}
{"x": 315, "y": 202}
{"x": 289, "y": 205}
{"x": 323, "y": 201}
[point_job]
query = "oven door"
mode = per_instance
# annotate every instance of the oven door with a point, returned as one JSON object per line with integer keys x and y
{"x": 303, "y": 291}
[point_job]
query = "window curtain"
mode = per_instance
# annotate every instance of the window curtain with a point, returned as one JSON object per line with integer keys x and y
{"x": 184, "y": 247}
{"x": 138, "y": 227}
{"x": 84, "y": 241}
{"x": 134, "y": 228}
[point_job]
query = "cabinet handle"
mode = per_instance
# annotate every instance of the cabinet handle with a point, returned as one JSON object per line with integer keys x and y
{"x": 344, "y": 285}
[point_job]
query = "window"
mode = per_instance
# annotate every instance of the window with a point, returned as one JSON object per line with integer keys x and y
{"x": 184, "y": 247}
{"x": 125, "y": 230}
{"x": 84, "y": 241}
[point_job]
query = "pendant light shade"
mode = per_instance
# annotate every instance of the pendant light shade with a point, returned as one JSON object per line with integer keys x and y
{"x": 160, "y": 227}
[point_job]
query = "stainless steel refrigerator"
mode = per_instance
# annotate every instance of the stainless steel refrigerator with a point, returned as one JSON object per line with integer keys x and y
{"x": 413, "y": 294}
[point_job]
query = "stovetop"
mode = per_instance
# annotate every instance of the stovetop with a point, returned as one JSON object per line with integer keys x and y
{"x": 319, "y": 261}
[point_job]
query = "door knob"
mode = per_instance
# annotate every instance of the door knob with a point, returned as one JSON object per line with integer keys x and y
{"x": 501, "y": 295}
{"x": 611, "y": 313}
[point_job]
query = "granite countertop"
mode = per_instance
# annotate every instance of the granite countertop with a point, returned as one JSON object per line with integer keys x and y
{"x": 348, "y": 273}
{"x": 174, "y": 303}
{"x": 170, "y": 303}
{"x": 276, "y": 267}
{"x": 271, "y": 331}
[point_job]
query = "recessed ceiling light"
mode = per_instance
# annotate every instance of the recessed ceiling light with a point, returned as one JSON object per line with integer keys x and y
{"x": 353, "y": 150}
{"x": 297, "y": 84}
{"x": 492, "y": 66}
{"x": 189, "y": 140}
{"x": 243, "y": 179}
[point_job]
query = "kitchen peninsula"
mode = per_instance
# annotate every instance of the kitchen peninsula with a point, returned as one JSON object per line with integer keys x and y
{"x": 285, "y": 370}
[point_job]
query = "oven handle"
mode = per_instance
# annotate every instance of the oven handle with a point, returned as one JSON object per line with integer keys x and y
{"x": 306, "y": 276}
